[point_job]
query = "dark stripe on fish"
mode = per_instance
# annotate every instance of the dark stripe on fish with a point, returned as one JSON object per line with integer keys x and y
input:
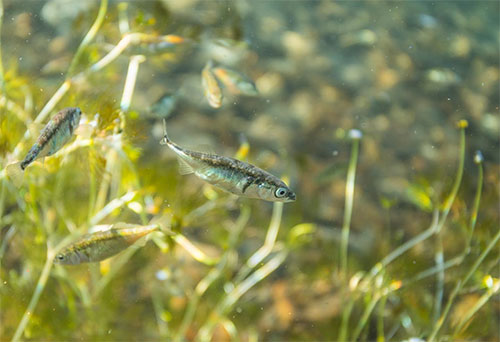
{"x": 250, "y": 181}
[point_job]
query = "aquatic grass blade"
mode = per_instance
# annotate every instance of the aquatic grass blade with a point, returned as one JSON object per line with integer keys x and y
{"x": 349, "y": 200}
{"x": 89, "y": 36}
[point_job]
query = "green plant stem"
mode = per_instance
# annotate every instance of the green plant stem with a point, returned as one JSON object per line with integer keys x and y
{"x": 349, "y": 198}
{"x": 439, "y": 259}
{"x": 482, "y": 300}
{"x": 364, "y": 317}
{"x": 267, "y": 247}
{"x": 42, "y": 280}
{"x": 437, "y": 223}
{"x": 272, "y": 234}
{"x": 200, "y": 289}
{"x": 112, "y": 205}
{"x": 158, "y": 307}
{"x": 475, "y": 207}
{"x": 472, "y": 223}
{"x": 344, "y": 324}
{"x": 205, "y": 332}
{"x": 214, "y": 273}
{"x": 2, "y": 196}
{"x": 112, "y": 155}
{"x": 380, "y": 320}
{"x": 463, "y": 282}
{"x": 123, "y": 18}
{"x": 2, "y": 77}
{"x": 128, "y": 39}
{"x": 89, "y": 36}
{"x": 458, "y": 179}
{"x": 194, "y": 251}
{"x": 434, "y": 270}
{"x": 92, "y": 186}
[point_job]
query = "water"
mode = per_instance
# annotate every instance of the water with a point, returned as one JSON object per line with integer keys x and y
{"x": 402, "y": 73}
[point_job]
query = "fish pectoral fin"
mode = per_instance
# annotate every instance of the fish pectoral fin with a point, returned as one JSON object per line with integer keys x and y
{"x": 84, "y": 130}
{"x": 15, "y": 173}
{"x": 184, "y": 167}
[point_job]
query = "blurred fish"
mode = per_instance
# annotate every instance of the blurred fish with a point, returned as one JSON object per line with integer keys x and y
{"x": 227, "y": 51}
{"x": 158, "y": 44}
{"x": 104, "y": 244}
{"x": 230, "y": 174}
{"x": 53, "y": 136}
{"x": 442, "y": 77}
{"x": 361, "y": 38}
{"x": 235, "y": 82}
{"x": 57, "y": 66}
{"x": 164, "y": 106}
{"x": 211, "y": 87}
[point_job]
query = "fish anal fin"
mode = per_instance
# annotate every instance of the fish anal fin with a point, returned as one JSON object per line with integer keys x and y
{"x": 184, "y": 167}
{"x": 15, "y": 173}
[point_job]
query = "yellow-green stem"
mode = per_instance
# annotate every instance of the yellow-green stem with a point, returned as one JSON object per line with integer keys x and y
{"x": 364, "y": 318}
{"x": 437, "y": 223}
{"x": 89, "y": 36}
{"x": 349, "y": 198}
{"x": 2, "y": 78}
{"x": 44, "y": 276}
{"x": 462, "y": 283}
{"x": 344, "y": 324}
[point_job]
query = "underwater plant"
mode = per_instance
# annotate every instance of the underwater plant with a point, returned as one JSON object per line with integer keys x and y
{"x": 158, "y": 256}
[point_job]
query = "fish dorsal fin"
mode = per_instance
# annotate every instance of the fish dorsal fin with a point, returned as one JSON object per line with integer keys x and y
{"x": 184, "y": 167}
{"x": 123, "y": 225}
{"x": 204, "y": 148}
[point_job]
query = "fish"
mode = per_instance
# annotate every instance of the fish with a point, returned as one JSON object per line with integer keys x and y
{"x": 235, "y": 82}
{"x": 158, "y": 44}
{"x": 229, "y": 174}
{"x": 102, "y": 245}
{"x": 164, "y": 106}
{"x": 211, "y": 87}
{"x": 57, "y": 132}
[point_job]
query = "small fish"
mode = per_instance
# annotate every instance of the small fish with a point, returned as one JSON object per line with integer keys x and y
{"x": 164, "y": 106}
{"x": 235, "y": 82}
{"x": 53, "y": 136}
{"x": 102, "y": 245}
{"x": 159, "y": 44}
{"x": 231, "y": 175}
{"x": 211, "y": 87}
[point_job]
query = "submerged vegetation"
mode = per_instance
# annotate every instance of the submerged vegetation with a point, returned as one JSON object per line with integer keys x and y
{"x": 386, "y": 240}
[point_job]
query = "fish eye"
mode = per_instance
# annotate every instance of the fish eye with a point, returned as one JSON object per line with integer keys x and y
{"x": 60, "y": 257}
{"x": 281, "y": 192}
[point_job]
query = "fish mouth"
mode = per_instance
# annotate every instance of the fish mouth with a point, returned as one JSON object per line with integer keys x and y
{"x": 291, "y": 197}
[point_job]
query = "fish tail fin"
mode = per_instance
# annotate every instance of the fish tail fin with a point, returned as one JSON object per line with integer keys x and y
{"x": 165, "y": 140}
{"x": 15, "y": 173}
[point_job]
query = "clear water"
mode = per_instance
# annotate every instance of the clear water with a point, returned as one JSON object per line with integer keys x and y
{"x": 402, "y": 73}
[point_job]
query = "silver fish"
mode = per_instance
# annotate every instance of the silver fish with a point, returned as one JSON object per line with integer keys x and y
{"x": 235, "y": 82}
{"x": 53, "y": 136}
{"x": 211, "y": 87}
{"x": 230, "y": 174}
{"x": 164, "y": 106}
{"x": 102, "y": 245}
